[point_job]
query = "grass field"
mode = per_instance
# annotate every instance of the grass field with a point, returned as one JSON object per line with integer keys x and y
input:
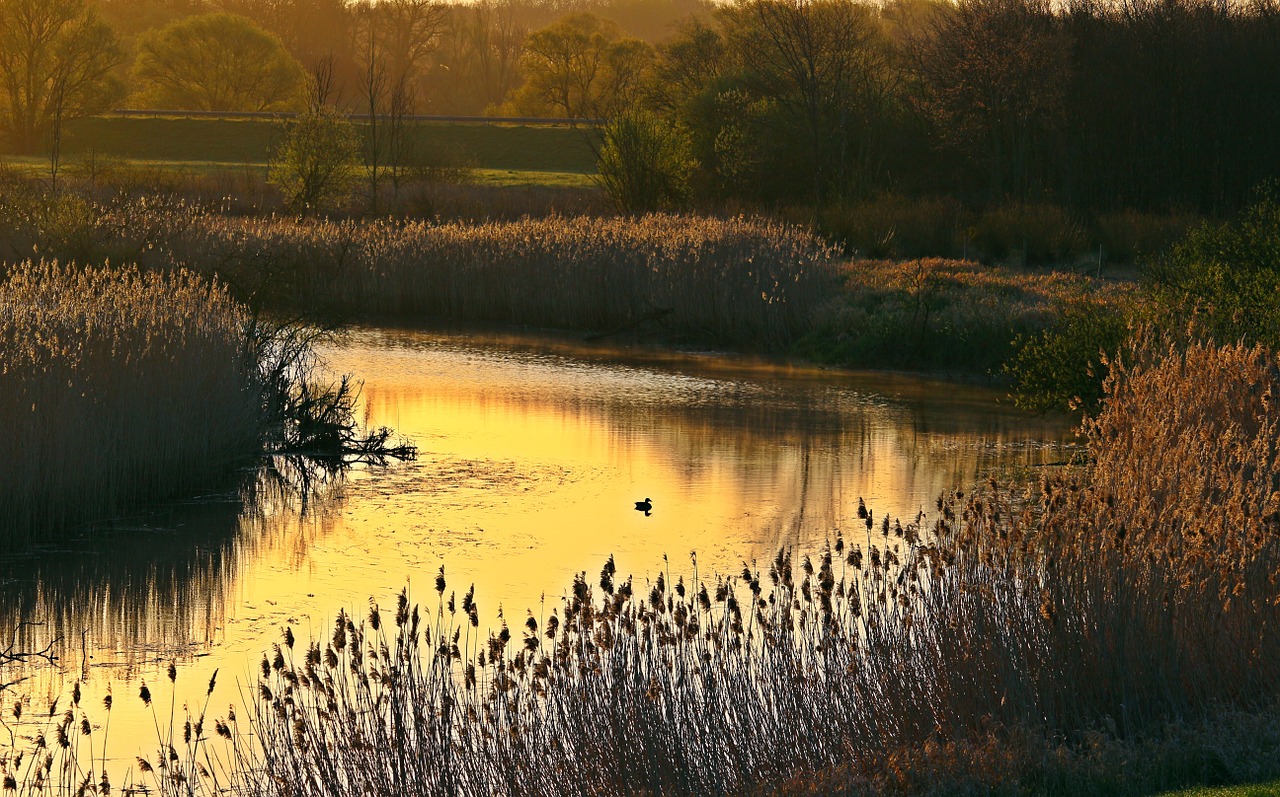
{"x": 505, "y": 148}
{"x": 1251, "y": 790}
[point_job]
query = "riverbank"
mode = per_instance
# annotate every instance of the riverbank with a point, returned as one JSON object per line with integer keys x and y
{"x": 744, "y": 284}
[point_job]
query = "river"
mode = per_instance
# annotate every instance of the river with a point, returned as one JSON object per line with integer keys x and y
{"x": 532, "y": 453}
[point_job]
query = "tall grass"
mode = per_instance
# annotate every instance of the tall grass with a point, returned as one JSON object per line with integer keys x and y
{"x": 115, "y": 385}
{"x": 1135, "y": 595}
{"x": 742, "y": 281}
{"x": 119, "y": 386}
{"x": 947, "y": 314}
{"x": 736, "y": 280}
{"x": 1118, "y": 632}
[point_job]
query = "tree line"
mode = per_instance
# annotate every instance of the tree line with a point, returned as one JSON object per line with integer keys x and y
{"x": 1088, "y": 104}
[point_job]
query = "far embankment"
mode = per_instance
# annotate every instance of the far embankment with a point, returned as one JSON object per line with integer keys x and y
{"x": 741, "y": 283}
{"x": 488, "y": 147}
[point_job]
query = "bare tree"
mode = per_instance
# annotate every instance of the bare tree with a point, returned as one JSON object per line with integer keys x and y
{"x": 373, "y": 88}
{"x": 411, "y": 32}
{"x": 394, "y": 37}
{"x": 496, "y": 40}
{"x": 992, "y": 77}
{"x": 322, "y": 88}
{"x": 824, "y": 62}
{"x": 400, "y": 144}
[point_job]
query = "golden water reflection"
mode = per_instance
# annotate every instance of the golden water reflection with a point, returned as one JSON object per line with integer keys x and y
{"x": 532, "y": 453}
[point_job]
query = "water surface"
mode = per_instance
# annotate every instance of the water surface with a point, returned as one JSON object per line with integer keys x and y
{"x": 532, "y": 452}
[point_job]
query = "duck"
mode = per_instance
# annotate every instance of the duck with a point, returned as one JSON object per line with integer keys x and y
{"x": 644, "y": 506}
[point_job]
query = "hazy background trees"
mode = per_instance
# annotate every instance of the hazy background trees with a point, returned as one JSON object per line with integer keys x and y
{"x": 581, "y": 66}
{"x": 1086, "y": 106}
{"x": 56, "y": 62}
{"x": 216, "y": 62}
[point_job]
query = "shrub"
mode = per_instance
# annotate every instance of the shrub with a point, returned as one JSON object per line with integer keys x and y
{"x": 316, "y": 163}
{"x": 892, "y": 226}
{"x": 935, "y": 313}
{"x": 1026, "y": 234}
{"x": 1129, "y": 236}
{"x": 1226, "y": 276}
{"x": 1064, "y": 366}
{"x": 644, "y": 163}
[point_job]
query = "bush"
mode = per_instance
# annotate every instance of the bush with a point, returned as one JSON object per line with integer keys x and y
{"x": 892, "y": 226}
{"x": 644, "y": 163}
{"x": 1129, "y": 235}
{"x": 932, "y": 313}
{"x": 1064, "y": 367}
{"x": 1226, "y": 276}
{"x": 316, "y": 164}
{"x": 1027, "y": 234}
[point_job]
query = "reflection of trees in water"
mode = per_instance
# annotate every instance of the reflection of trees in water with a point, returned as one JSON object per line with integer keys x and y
{"x": 814, "y": 447}
{"x": 159, "y": 585}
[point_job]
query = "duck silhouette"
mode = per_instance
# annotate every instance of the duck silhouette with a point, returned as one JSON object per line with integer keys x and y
{"x": 644, "y": 506}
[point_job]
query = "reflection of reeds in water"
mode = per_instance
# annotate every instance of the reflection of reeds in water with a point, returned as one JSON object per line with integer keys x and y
{"x": 159, "y": 584}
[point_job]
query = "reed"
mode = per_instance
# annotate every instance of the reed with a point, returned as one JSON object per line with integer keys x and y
{"x": 117, "y": 385}
{"x": 1115, "y": 633}
{"x": 1128, "y": 607}
{"x": 740, "y": 281}
{"x": 736, "y": 281}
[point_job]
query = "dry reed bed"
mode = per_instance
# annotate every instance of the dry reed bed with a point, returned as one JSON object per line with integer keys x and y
{"x": 732, "y": 280}
{"x": 116, "y": 385}
{"x": 738, "y": 280}
{"x": 1140, "y": 594}
{"x": 1118, "y": 612}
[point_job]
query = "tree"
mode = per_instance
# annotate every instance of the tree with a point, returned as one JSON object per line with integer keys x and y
{"x": 824, "y": 64}
{"x": 478, "y": 62}
{"x": 393, "y": 37}
{"x": 686, "y": 64}
{"x": 410, "y": 32}
{"x": 582, "y": 66}
{"x": 217, "y": 62}
{"x": 992, "y": 75}
{"x": 317, "y": 162}
{"x": 56, "y": 62}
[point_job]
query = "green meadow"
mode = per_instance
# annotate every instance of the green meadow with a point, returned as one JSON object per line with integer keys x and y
{"x": 500, "y": 153}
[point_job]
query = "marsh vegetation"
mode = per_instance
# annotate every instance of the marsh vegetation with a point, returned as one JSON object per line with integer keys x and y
{"x": 943, "y": 186}
{"x": 1015, "y": 643}
{"x": 122, "y": 387}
